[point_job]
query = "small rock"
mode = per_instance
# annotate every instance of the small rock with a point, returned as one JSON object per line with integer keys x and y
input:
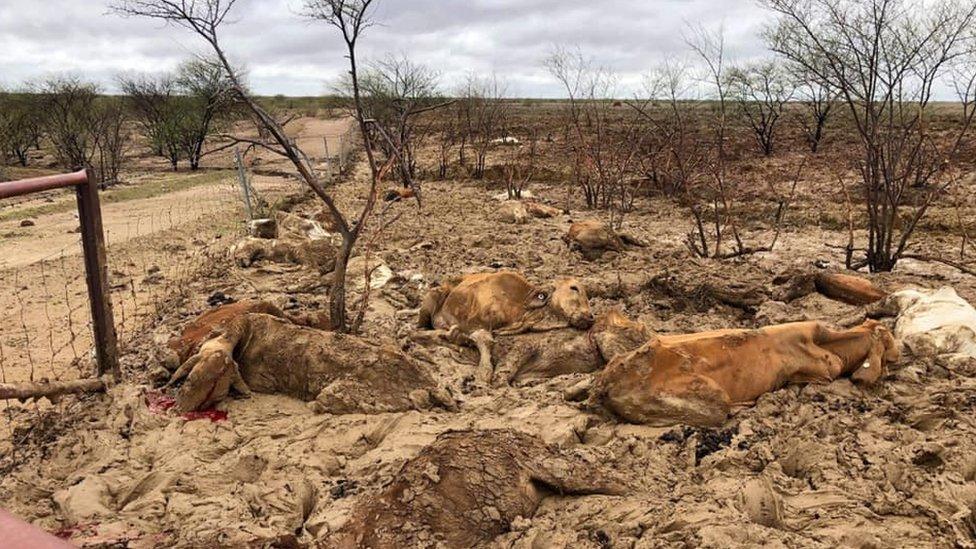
{"x": 27, "y": 223}
{"x": 760, "y": 502}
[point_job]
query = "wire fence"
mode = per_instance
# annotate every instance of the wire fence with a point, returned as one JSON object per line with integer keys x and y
{"x": 156, "y": 248}
{"x": 158, "y": 244}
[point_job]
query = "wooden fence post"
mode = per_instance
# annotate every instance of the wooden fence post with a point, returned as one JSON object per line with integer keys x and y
{"x": 96, "y": 275}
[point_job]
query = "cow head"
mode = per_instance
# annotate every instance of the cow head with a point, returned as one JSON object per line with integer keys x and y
{"x": 567, "y": 299}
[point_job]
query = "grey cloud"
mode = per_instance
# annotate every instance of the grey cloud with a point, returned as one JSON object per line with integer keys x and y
{"x": 287, "y": 54}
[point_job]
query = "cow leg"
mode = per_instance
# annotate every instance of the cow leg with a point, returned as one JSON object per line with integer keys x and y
{"x": 238, "y": 384}
{"x": 183, "y": 370}
{"x": 483, "y": 340}
{"x": 693, "y": 399}
{"x": 435, "y": 336}
{"x": 510, "y": 366}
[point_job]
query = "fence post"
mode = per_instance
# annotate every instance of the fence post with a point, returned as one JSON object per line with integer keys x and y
{"x": 96, "y": 275}
{"x": 242, "y": 176}
{"x": 328, "y": 161}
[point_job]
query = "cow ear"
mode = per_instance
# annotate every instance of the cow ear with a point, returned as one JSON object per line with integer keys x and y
{"x": 539, "y": 298}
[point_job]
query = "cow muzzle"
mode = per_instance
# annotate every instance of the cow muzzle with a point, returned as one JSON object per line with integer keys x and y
{"x": 583, "y": 322}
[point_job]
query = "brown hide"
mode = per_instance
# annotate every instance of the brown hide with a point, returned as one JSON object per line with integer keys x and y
{"x": 536, "y": 209}
{"x": 849, "y": 289}
{"x": 465, "y": 489}
{"x": 320, "y": 254}
{"x": 197, "y": 331}
{"x": 342, "y": 373}
{"x": 845, "y": 288}
{"x": 697, "y": 378}
{"x": 399, "y": 193}
{"x": 544, "y": 355}
{"x": 504, "y": 300}
{"x": 592, "y": 237}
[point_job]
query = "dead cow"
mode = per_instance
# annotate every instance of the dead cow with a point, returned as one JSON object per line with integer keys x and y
{"x": 932, "y": 322}
{"x": 187, "y": 343}
{"x": 697, "y": 378}
{"x": 320, "y": 254}
{"x": 341, "y": 373}
{"x": 519, "y": 212}
{"x": 845, "y": 288}
{"x": 505, "y": 301}
{"x": 466, "y": 488}
{"x": 592, "y": 238}
{"x": 469, "y": 309}
{"x": 545, "y": 355}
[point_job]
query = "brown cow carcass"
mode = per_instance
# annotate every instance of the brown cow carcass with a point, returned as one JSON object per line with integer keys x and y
{"x": 471, "y": 309}
{"x": 467, "y": 488}
{"x": 592, "y": 238}
{"x": 850, "y": 289}
{"x": 698, "y": 378}
{"x": 536, "y": 356}
{"x": 505, "y": 301}
{"x": 519, "y": 212}
{"x": 181, "y": 347}
{"x": 340, "y": 373}
{"x": 297, "y": 241}
{"x": 319, "y": 254}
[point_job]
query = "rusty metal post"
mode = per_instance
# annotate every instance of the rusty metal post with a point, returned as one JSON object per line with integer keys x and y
{"x": 96, "y": 275}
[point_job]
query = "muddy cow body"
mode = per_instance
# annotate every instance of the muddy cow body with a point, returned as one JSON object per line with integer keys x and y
{"x": 181, "y": 347}
{"x": 473, "y": 309}
{"x": 592, "y": 238}
{"x": 466, "y": 488}
{"x": 341, "y": 373}
{"x": 698, "y": 378}
{"x": 528, "y": 357}
{"x": 505, "y": 302}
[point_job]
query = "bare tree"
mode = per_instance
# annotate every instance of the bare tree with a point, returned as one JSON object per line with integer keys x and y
{"x": 720, "y": 192}
{"x": 20, "y": 123}
{"x": 351, "y": 18}
{"x": 395, "y": 92}
{"x": 205, "y": 94}
{"x": 152, "y": 99}
{"x": 87, "y": 131}
{"x": 605, "y": 141}
{"x": 885, "y": 57}
{"x": 762, "y": 90}
{"x": 817, "y": 98}
{"x": 521, "y": 167}
{"x": 484, "y": 114}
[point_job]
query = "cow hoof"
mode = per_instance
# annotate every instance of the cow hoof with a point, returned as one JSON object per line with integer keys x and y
{"x": 578, "y": 392}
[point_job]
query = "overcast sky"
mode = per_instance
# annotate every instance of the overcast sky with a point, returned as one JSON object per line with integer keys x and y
{"x": 288, "y": 55}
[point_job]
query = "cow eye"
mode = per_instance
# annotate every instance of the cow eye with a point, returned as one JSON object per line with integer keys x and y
{"x": 574, "y": 288}
{"x": 541, "y": 296}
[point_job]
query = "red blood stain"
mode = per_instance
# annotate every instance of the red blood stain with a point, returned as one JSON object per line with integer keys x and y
{"x": 160, "y": 403}
{"x": 90, "y": 529}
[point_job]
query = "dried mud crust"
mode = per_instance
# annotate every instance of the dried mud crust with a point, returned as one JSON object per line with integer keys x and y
{"x": 816, "y": 466}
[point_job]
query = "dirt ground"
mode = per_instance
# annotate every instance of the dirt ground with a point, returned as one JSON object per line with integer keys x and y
{"x": 827, "y": 465}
